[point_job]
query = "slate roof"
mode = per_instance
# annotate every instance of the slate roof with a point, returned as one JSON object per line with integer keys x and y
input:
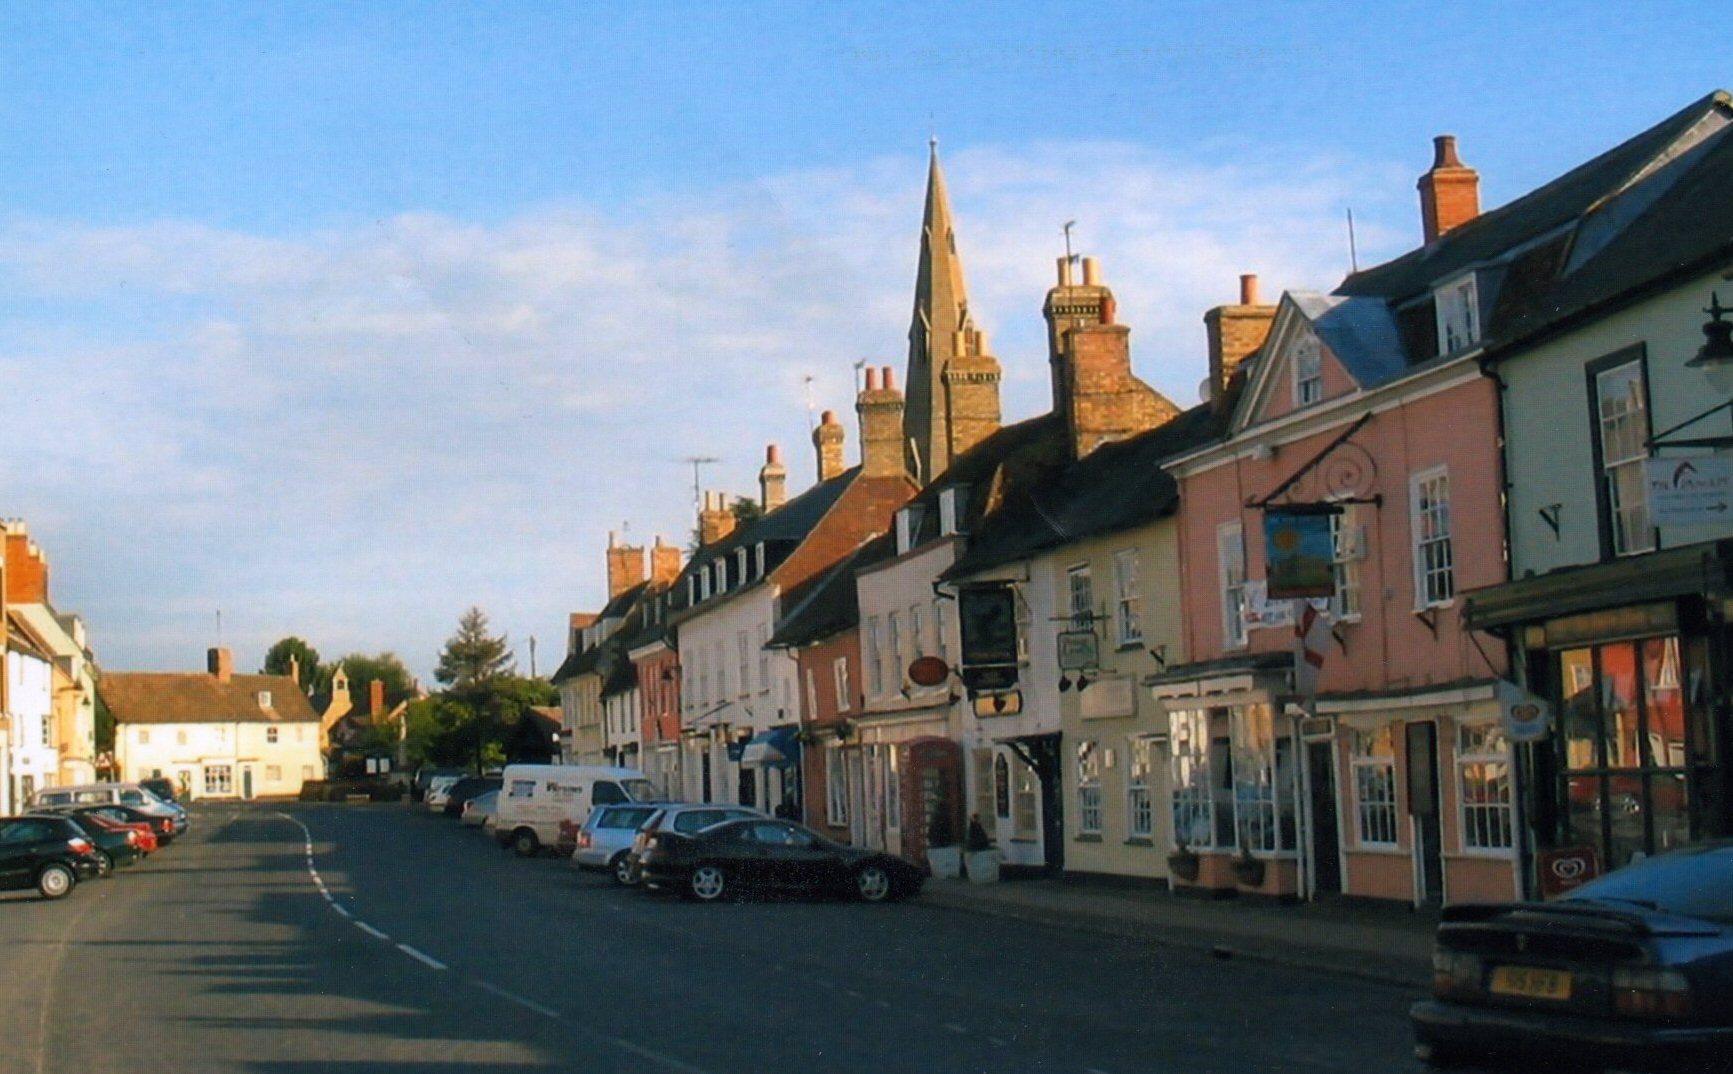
{"x": 196, "y": 697}
{"x": 1118, "y": 486}
{"x": 998, "y": 467}
{"x": 830, "y": 603}
{"x": 1555, "y": 205}
{"x": 1360, "y": 332}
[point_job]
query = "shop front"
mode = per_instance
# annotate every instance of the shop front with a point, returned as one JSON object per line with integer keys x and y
{"x": 1632, "y": 658}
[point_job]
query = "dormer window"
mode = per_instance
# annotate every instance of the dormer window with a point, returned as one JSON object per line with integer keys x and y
{"x": 1458, "y": 308}
{"x": 951, "y": 502}
{"x": 1307, "y": 358}
{"x": 704, "y": 584}
{"x": 740, "y": 565}
{"x": 759, "y": 555}
{"x": 909, "y": 528}
{"x": 264, "y": 699}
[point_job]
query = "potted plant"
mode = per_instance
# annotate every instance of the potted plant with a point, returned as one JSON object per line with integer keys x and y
{"x": 1248, "y": 870}
{"x": 944, "y": 857}
{"x": 1183, "y": 863}
{"x": 981, "y": 857}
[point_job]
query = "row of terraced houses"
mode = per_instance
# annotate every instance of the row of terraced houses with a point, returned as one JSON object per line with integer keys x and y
{"x": 1506, "y": 451}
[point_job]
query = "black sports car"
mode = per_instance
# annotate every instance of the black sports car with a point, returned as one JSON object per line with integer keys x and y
{"x": 761, "y": 854}
{"x": 1633, "y": 971}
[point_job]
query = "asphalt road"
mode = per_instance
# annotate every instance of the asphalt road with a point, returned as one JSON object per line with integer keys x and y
{"x": 404, "y": 944}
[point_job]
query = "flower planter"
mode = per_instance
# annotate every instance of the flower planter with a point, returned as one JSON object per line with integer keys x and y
{"x": 945, "y": 862}
{"x": 1249, "y": 872}
{"x": 1183, "y": 866}
{"x": 982, "y": 866}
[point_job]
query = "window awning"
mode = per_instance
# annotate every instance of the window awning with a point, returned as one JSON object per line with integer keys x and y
{"x": 775, "y": 748}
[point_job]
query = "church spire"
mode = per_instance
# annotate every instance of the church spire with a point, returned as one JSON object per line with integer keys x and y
{"x": 940, "y": 330}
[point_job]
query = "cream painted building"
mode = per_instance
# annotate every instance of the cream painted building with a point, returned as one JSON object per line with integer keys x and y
{"x": 218, "y": 734}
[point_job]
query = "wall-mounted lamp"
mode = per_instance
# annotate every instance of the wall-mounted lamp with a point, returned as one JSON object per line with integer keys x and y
{"x": 1715, "y": 356}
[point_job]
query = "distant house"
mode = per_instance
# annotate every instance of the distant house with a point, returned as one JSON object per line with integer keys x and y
{"x": 217, "y": 734}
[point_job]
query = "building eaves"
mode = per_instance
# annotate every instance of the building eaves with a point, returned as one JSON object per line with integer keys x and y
{"x": 830, "y": 603}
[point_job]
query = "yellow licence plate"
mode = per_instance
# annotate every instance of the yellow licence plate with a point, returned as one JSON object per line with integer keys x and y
{"x": 1531, "y": 982}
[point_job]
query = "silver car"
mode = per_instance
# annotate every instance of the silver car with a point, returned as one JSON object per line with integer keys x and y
{"x": 606, "y": 837}
{"x": 477, "y": 810}
{"x": 684, "y": 818}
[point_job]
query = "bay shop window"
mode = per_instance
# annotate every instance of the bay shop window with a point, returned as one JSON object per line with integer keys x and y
{"x": 1233, "y": 780}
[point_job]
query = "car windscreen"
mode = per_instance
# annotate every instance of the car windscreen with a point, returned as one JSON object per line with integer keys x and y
{"x": 1691, "y": 883}
{"x": 625, "y": 817}
{"x": 640, "y": 790}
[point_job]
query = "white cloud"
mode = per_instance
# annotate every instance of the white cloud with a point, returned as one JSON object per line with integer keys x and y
{"x": 355, "y": 433}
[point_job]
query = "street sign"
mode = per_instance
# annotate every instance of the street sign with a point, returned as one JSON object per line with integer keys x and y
{"x": 1690, "y": 491}
{"x": 1079, "y": 650}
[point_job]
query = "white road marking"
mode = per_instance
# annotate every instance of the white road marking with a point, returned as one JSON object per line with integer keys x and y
{"x": 340, "y": 909}
{"x": 513, "y": 997}
{"x": 369, "y": 930}
{"x": 426, "y": 960}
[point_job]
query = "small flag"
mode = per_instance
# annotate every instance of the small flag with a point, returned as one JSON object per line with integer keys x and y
{"x": 1311, "y": 637}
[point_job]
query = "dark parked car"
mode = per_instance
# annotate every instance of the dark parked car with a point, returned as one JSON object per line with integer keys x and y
{"x": 682, "y": 817}
{"x": 164, "y": 827}
{"x": 114, "y": 845}
{"x": 50, "y": 854}
{"x": 1633, "y": 971}
{"x": 778, "y": 855}
{"x": 465, "y": 789}
{"x": 164, "y": 789}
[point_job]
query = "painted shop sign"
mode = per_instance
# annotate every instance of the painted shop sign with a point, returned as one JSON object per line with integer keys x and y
{"x": 1689, "y": 491}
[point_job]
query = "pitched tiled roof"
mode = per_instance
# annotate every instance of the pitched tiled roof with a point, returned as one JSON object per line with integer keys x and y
{"x": 829, "y": 603}
{"x": 1116, "y": 487}
{"x": 1559, "y": 203}
{"x": 193, "y": 697}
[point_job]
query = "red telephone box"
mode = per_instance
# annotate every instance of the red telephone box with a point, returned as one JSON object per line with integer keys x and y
{"x": 932, "y": 793}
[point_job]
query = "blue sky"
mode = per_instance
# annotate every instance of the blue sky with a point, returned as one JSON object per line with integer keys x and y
{"x": 342, "y": 317}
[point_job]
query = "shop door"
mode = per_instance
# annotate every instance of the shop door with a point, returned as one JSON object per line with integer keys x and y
{"x": 1325, "y": 846}
{"x": 1423, "y": 812}
{"x": 246, "y": 782}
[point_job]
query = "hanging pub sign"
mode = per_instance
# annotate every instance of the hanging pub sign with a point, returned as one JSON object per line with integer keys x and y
{"x": 987, "y": 620}
{"x": 1526, "y": 718}
{"x": 1299, "y": 551}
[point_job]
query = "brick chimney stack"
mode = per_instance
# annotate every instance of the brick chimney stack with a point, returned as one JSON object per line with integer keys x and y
{"x": 880, "y": 407}
{"x": 1093, "y": 386}
{"x": 295, "y": 668}
{"x": 664, "y": 563}
{"x": 828, "y": 438}
{"x": 376, "y": 698}
{"x": 971, "y": 379}
{"x": 26, "y": 566}
{"x": 772, "y": 480}
{"x": 625, "y": 566}
{"x": 1234, "y": 332}
{"x": 716, "y": 520}
{"x": 1449, "y": 193}
{"x": 220, "y": 662}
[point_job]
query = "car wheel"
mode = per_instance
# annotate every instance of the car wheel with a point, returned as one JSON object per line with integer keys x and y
{"x": 54, "y": 881}
{"x": 525, "y": 843}
{"x": 104, "y": 863}
{"x": 873, "y": 884}
{"x": 707, "y": 883}
{"x": 622, "y": 869}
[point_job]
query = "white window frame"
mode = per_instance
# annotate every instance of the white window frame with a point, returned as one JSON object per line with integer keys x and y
{"x": 743, "y": 642}
{"x": 1080, "y": 596}
{"x": 1485, "y": 821}
{"x": 1622, "y": 432}
{"x": 1430, "y": 525}
{"x": 1089, "y": 787}
{"x": 271, "y": 735}
{"x": 763, "y": 657}
{"x": 1139, "y": 806}
{"x": 740, "y": 565}
{"x": 835, "y": 788}
{"x": 941, "y": 638}
{"x": 811, "y": 695}
{"x": 950, "y": 510}
{"x": 1306, "y": 357}
{"x": 219, "y": 779}
{"x": 839, "y": 673}
{"x": 1191, "y": 784}
{"x": 909, "y": 527}
{"x": 1457, "y": 305}
{"x": 1231, "y": 568}
{"x": 894, "y": 649}
{"x": 875, "y": 657}
{"x": 1127, "y": 598}
{"x": 144, "y": 736}
{"x": 1377, "y": 813}
{"x": 1347, "y": 544}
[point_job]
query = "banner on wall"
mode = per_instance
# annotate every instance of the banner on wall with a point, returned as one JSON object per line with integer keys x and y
{"x": 1299, "y": 551}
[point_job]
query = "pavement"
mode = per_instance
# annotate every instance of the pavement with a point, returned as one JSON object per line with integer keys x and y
{"x": 1388, "y": 944}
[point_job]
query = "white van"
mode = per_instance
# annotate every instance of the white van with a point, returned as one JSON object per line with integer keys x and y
{"x": 545, "y": 804}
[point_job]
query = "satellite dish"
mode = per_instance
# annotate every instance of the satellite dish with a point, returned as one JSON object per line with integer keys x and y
{"x": 1203, "y": 390}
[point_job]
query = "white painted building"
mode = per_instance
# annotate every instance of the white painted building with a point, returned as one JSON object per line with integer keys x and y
{"x": 30, "y": 703}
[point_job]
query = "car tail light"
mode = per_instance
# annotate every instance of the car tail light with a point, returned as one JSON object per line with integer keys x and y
{"x": 164, "y": 824}
{"x": 80, "y": 845}
{"x": 132, "y": 838}
{"x": 583, "y": 840}
{"x": 1454, "y": 973}
{"x": 1651, "y": 993}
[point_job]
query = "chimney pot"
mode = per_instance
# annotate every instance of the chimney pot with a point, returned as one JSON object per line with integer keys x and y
{"x": 1444, "y": 152}
{"x": 1091, "y": 272}
{"x": 220, "y": 662}
{"x": 772, "y": 453}
{"x": 1248, "y": 289}
{"x": 1065, "y": 272}
{"x": 872, "y": 378}
{"x": 888, "y": 377}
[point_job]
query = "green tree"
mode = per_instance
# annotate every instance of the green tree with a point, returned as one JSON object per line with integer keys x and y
{"x": 278, "y": 657}
{"x": 472, "y": 657}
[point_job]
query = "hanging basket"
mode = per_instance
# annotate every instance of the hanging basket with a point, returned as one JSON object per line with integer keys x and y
{"x": 1249, "y": 871}
{"x": 1183, "y": 864}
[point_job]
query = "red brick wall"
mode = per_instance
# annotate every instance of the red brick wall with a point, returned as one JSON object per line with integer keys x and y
{"x": 26, "y": 570}
{"x": 659, "y": 697}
